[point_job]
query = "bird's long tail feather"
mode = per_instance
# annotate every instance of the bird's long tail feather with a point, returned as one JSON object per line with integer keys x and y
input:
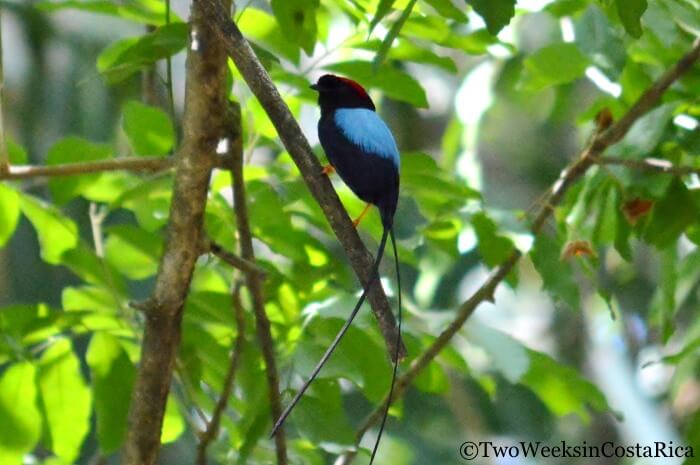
{"x": 338, "y": 337}
{"x": 396, "y": 355}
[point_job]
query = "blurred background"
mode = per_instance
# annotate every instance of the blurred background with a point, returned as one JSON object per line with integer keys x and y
{"x": 532, "y": 366}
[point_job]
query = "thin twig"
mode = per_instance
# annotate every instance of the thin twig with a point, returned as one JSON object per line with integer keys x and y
{"x": 169, "y": 69}
{"x": 253, "y": 281}
{"x": 587, "y": 158}
{"x": 297, "y": 145}
{"x": 148, "y": 164}
{"x": 235, "y": 261}
{"x": 212, "y": 429}
{"x": 654, "y": 165}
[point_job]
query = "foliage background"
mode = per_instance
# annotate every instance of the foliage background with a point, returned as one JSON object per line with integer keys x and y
{"x": 487, "y": 110}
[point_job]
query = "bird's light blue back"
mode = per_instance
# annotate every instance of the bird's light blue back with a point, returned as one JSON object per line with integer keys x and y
{"x": 366, "y": 129}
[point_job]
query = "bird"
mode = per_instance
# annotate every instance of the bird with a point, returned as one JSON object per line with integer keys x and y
{"x": 361, "y": 149}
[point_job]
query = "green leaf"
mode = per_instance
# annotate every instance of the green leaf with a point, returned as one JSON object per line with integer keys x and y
{"x": 393, "y": 82}
{"x": 507, "y": 355}
{"x": 125, "y": 57}
{"x": 605, "y": 230}
{"x": 405, "y": 50}
{"x": 557, "y": 275}
{"x": 562, "y": 8}
{"x": 447, "y": 9}
{"x": 320, "y": 417}
{"x": 149, "y": 12}
{"x": 630, "y": 12}
{"x": 149, "y": 129}
{"x": 97, "y": 306}
{"x": 671, "y": 216}
{"x": 133, "y": 251}
{"x": 9, "y": 213}
{"x": 74, "y": 150}
{"x": 16, "y": 153}
{"x": 496, "y": 13}
{"x": 260, "y": 26}
{"x": 392, "y": 35}
{"x": 553, "y": 65}
{"x": 663, "y": 302}
{"x": 66, "y": 399}
{"x": 112, "y": 375}
{"x": 562, "y": 388}
{"x": 18, "y": 413}
{"x": 691, "y": 348}
{"x": 647, "y": 132}
{"x": 435, "y": 191}
{"x": 57, "y": 233}
{"x": 173, "y": 423}
{"x": 297, "y": 20}
{"x": 494, "y": 248}
{"x": 382, "y": 10}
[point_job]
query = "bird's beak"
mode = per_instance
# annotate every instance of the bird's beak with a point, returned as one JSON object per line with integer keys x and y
{"x": 314, "y": 87}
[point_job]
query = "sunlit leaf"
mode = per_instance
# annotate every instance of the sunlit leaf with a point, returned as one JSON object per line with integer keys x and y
{"x": 173, "y": 423}
{"x": 18, "y": 412}
{"x": 149, "y": 129}
{"x": 150, "y": 12}
{"x": 9, "y": 213}
{"x": 297, "y": 20}
{"x": 57, "y": 233}
{"x": 393, "y": 82}
{"x": 133, "y": 251}
{"x": 74, "y": 150}
{"x": 383, "y": 8}
{"x": 66, "y": 399}
{"x": 16, "y": 153}
{"x": 125, "y": 57}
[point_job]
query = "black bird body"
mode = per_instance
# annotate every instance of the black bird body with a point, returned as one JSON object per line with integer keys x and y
{"x": 358, "y": 144}
{"x": 361, "y": 148}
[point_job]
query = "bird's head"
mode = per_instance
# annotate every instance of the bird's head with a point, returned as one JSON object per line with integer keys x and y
{"x": 338, "y": 92}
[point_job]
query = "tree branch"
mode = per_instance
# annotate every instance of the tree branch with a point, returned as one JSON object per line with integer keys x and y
{"x": 654, "y": 165}
{"x": 212, "y": 429}
{"x": 148, "y": 164}
{"x": 203, "y": 125}
{"x": 587, "y": 158}
{"x": 298, "y": 147}
{"x": 234, "y": 162}
{"x": 235, "y": 261}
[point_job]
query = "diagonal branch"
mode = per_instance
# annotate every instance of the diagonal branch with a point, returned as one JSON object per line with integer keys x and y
{"x": 234, "y": 163}
{"x": 587, "y": 158}
{"x": 298, "y": 147}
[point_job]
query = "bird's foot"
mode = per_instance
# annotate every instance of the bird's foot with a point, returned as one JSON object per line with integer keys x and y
{"x": 328, "y": 170}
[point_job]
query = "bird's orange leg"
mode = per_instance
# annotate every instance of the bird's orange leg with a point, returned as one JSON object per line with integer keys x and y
{"x": 357, "y": 220}
{"x": 328, "y": 169}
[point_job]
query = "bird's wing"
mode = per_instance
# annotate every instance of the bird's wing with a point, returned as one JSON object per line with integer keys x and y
{"x": 367, "y": 130}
